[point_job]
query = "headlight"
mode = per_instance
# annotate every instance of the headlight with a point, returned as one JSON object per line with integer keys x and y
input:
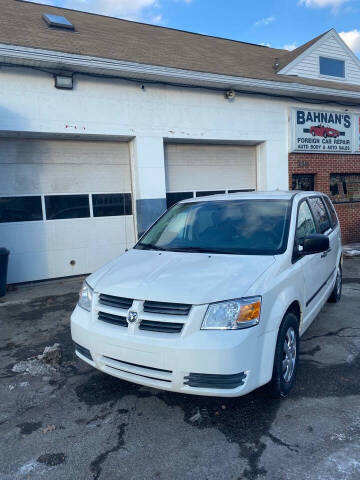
{"x": 85, "y": 297}
{"x": 233, "y": 314}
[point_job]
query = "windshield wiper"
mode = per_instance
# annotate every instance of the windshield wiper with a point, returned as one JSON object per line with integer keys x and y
{"x": 151, "y": 246}
{"x": 199, "y": 250}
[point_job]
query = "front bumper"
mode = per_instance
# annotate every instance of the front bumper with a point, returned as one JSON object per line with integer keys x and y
{"x": 199, "y": 362}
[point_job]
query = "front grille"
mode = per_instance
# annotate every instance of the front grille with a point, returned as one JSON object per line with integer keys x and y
{"x": 117, "y": 302}
{"x": 84, "y": 351}
{"x": 113, "y": 319}
{"x": 166, "y": 308}
{"x": 223, "y": 382}
{"x": 164, "y": 327}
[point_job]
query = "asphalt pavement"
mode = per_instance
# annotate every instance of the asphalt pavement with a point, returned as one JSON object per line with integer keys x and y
{"x": 72, "y": 422}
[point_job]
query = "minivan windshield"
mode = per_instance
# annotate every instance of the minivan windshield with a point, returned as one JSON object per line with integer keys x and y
{"x": 244, "y": 227}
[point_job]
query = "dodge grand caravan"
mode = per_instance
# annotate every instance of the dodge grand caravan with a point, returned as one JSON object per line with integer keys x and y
{"x": 214, "y": 296}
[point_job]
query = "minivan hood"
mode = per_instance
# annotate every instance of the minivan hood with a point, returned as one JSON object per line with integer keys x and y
{"x": 192, "y": 278}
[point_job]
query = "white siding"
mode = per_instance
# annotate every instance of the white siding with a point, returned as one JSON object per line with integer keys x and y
{"x": 331, "y": 47}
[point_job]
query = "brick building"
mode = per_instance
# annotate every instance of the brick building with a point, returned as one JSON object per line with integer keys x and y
{"x": 336, "y": 175}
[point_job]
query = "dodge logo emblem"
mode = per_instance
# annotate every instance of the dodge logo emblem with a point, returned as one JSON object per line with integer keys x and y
{"x": 132, "y": 317}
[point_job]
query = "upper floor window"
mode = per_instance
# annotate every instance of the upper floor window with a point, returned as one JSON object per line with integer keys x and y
{"x": 332, "y": 67}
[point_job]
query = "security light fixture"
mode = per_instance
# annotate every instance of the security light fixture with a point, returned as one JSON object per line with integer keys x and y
{"x": 57, "y": 21}
{"x": 64, "y": 81}
{"x": 230, "y": 94}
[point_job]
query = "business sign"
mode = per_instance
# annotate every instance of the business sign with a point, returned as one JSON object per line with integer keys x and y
{"x": 318, "y": 131}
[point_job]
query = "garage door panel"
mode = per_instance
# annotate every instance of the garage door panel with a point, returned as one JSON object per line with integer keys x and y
{"x": 32, "y": 151}
{"x": 19, "y": 179}
{"x": 27, "y": 267}
{"x": 115, "y": 229}
{"x": 23, "y": 238}
{"x": 210, "y": 167}
{"x": 213, "y": 179}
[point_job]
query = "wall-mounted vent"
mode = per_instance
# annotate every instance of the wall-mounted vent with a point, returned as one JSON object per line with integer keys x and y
{"x": 57, "y": 21}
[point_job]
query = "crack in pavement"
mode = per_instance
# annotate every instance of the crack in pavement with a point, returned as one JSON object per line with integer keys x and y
{"x": 333, "y": 334}
{"x": 278, "y": 441}
{"x": 97, "y": 464}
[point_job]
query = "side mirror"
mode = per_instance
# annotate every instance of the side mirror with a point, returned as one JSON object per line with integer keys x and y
{"x": 314, "y": 243}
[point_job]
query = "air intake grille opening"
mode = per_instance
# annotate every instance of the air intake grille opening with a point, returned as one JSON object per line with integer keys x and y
{"x": 83, "y": 351}
{"x": 166, "y": 308}
{"x": 117, "y": 302}
{"x": 164, "y": 327}
{"x": 223, "y": 382}
{"x": 113, "y": 319}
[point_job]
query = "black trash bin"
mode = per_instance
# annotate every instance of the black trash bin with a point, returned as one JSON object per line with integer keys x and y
{"x": 4, "y": 259}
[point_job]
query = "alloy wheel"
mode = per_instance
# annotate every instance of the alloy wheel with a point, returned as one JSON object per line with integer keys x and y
{"x": 289, "y": 354}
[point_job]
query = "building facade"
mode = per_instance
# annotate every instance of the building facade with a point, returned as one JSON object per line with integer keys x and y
{"x": 95, "y": 146}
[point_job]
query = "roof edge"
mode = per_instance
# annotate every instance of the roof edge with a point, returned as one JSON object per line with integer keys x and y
{"x": 60, "y": 61}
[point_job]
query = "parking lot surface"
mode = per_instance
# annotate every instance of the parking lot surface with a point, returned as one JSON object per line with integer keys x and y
{"x": 73, "y": 422}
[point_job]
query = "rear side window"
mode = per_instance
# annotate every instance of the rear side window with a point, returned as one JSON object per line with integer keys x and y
{"x": 320, "y": 214}
{"x": 330, "y": 206}
{"x": 305, "y": 222}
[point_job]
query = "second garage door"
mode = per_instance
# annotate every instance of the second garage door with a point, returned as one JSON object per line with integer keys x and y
{"x": 194, "y": 170}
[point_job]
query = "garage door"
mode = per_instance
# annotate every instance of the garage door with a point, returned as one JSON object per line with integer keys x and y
{"x": 65, "y": 206}
{"x": 198, "y": 170}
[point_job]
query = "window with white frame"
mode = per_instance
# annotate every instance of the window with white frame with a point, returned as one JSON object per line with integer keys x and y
{"x": 332, "y": 67}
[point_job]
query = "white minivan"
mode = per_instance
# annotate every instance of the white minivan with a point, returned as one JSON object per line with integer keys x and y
{"x": 214, "y": 296}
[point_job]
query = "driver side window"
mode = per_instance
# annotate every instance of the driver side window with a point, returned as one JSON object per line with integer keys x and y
{"x": 305, "y": 222}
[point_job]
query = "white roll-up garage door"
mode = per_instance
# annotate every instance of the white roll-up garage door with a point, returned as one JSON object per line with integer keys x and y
{"x": 65, "y": 206}
{"x": 197, "y": 170}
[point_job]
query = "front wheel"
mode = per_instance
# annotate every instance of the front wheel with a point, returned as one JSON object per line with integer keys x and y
{"x": 336, "y": 293}
{"x": 286, "y": 357}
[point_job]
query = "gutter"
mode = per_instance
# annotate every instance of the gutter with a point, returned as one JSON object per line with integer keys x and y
{"x": 39, "y": 58}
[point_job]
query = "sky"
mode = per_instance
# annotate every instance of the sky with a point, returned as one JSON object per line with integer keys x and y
{"x": 276, "y": 23}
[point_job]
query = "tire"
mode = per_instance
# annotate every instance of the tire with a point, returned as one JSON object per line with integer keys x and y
{"x": 325, "y": 135}
{"x": 285, "y": 359}
{"x": 313, "y": 133}
{"x": 336, "y": 293}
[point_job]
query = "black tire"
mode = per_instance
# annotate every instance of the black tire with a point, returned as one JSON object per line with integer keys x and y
{"x": 336, "y": 293}
{"x": 281, "y": 383}
{"x": 325, "y": 135}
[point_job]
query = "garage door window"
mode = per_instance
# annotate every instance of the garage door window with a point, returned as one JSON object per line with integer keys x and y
{"x": 60, "y": 207}
{"x": 213, "y": 192}
{"x": 242, "y": 190}
{"x": 175, "y": 197}
{"x": 20, "y": 209}
{"x": 111, "y": 204}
